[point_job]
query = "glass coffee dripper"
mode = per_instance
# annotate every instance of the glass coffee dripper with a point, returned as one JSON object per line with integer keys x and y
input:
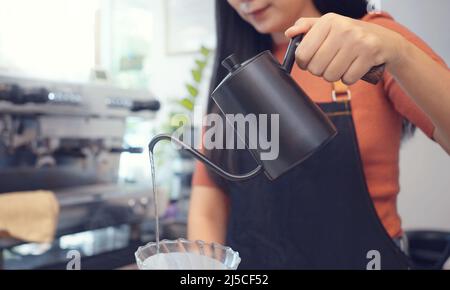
{"x": 182, "y": 254}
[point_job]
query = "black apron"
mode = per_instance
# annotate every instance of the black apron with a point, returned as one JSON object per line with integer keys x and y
{"x": 319, "y": 215}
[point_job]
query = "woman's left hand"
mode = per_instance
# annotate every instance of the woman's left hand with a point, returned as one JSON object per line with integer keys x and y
{"x": 341, "y": 48}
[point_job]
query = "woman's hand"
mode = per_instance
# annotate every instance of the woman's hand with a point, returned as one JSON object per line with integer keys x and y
{"x": 341, "y": 48}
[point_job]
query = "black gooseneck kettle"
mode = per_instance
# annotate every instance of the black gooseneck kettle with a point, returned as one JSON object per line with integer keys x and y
{"x": 261, "y": 85}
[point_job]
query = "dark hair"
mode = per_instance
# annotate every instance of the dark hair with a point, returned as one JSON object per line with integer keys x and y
{"x": 236, "y": 36}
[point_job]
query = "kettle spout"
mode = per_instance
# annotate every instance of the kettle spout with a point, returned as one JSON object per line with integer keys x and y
{"x": 202, "y": 158}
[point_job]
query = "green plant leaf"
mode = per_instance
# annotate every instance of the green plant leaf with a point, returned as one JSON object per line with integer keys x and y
{"x": 200, "y": 63}
{"x": 193, "y": 91}
{"x": 187, "y": 103}
{"x": 197, "y": 75}
{"x": 205, "y": 51}
{"x": 179, "y": 120}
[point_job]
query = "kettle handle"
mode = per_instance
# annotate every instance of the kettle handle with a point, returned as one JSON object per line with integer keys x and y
{"x": 289, "y": 57}
{"x": 199, "y": 156}
{"x": 373, "y": 76}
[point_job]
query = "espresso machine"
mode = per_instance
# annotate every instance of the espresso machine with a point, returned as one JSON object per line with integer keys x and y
{"x": 69, "y": 138}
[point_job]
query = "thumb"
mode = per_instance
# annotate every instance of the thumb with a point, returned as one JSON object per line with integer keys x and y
{"x": 302, "y": 26}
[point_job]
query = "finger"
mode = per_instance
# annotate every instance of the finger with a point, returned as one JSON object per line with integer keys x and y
{"x": 340, "y": 64}
{"x": 356, "y": 71}
{"x": 311, "y": 43}
{"x": 303, "y": 25}
{"x": 324, "y": 55}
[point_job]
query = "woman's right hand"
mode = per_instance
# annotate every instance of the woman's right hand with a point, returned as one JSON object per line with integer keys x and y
{"x": 336, "y": 47}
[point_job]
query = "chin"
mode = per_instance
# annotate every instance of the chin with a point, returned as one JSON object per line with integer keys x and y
{"x": 267, "y": 28}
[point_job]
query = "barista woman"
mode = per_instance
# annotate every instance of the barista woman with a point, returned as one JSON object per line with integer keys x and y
{"x": 336, "y": 208}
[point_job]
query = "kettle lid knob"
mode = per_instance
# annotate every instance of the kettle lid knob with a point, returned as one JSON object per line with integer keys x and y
{"x": 231, "y": 63}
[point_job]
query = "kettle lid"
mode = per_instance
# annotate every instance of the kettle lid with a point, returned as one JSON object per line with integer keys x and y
{"x": 231, "y": 63}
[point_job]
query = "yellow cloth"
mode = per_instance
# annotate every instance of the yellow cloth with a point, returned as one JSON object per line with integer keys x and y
{"x": 29, "y": 216}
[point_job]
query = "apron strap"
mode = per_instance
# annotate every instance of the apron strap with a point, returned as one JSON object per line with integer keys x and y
{"x": 341, "y": 92}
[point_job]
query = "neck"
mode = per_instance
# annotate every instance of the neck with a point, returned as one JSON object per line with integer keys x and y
{"x": 279, "y": 38}
{"x": 308, "y": 10}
